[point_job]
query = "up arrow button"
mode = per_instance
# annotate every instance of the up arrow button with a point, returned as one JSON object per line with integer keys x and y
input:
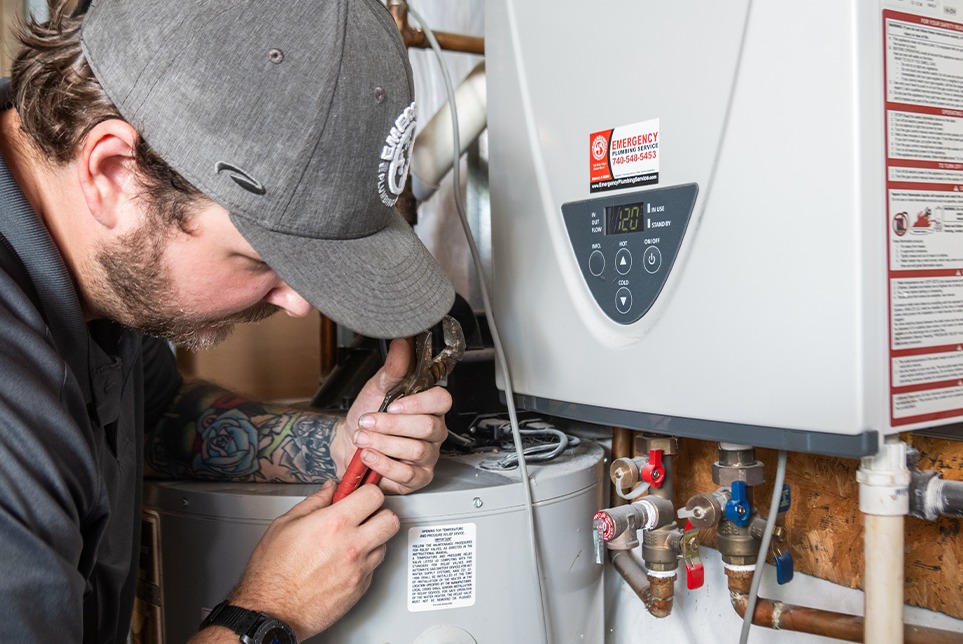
{"x": 623, "y": 261}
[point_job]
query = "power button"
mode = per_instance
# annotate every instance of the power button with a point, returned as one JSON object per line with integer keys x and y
{"x": 652, "y": 259}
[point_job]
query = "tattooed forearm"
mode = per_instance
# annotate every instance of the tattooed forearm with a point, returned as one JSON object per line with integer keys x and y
{"x": 210, "y": 433}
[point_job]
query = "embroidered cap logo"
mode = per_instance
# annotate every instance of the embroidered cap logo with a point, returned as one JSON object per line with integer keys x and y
{"x": 240, "y": 177}
{"x": 396, "y": 156}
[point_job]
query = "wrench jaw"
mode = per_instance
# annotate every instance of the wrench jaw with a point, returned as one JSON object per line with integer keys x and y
{"x": 429, "y": 371}
{"x": 444, "y": 363}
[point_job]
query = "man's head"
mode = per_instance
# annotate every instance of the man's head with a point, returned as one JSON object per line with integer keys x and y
{"x": 295, "y": 117}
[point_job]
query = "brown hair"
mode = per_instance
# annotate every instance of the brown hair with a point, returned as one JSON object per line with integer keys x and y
{"x": 59, "y": 100}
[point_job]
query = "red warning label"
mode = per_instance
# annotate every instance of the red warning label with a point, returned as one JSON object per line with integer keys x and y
{"x": 923, "y": 69}
{"x": 624, "y": 157}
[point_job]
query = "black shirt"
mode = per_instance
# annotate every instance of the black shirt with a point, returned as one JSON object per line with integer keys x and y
{"x": 73, "y": 402}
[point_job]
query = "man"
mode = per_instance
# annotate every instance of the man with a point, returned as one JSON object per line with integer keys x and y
{"x": 169, "y": 169}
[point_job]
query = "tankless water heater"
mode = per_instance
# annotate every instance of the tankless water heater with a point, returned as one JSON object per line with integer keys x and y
{"x": 738, "y": 221}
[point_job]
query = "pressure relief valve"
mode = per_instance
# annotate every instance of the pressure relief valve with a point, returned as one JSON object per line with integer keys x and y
{"x": 617, "y": 528}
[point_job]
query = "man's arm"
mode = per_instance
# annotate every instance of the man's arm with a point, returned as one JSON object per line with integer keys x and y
{"x": 211, "y": 433}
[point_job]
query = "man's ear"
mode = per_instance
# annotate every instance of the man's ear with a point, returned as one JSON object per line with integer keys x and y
{"x": 106, "y": 171}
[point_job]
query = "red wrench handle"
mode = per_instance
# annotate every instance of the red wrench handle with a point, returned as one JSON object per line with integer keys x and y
{"x": 354, "y": 477}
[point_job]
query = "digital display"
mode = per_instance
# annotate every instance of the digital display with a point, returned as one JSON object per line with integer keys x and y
{"x": 624, "y": 218}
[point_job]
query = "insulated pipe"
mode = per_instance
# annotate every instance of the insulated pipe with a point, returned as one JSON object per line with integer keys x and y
{"x": 930, "y": 496}
{"x": 884, "y": 500}
{"x": 781, "y": 616}
{"x": 433, "y": 153}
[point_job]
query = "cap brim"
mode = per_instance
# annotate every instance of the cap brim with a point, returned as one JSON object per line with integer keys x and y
{"x": 384, "y": 285}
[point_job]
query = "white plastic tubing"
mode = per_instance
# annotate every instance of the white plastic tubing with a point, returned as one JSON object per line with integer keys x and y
{"x": 432, "y": 154}
{"x": 884, "y": 501}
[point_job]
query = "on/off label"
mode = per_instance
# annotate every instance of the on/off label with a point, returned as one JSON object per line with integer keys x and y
{"x": 624, "y": 157}
{"x": 441, "y": 569}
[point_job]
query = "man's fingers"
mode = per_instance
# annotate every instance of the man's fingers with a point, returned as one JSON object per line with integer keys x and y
{"x": 320, "y": 499}
{"x": 435, "y": 401}
{"x": 396, "y": 364}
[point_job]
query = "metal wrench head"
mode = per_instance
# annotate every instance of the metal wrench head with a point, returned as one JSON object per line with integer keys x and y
{"x": 429, "y": 371}
{"x": 444, "y": 363}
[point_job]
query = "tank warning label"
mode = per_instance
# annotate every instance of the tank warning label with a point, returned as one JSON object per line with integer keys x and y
{"x": 923, "y": 71}
{"x": 625, "y": 157}
{"x": 441, "y": 569}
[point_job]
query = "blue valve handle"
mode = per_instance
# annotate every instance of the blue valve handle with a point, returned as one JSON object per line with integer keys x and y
{"x": 784, "y": 567}
{"x": 737, "y": 508}
{"x": 784, "y": 500}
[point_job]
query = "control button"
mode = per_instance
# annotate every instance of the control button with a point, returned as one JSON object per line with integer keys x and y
{"x": 623, "y": 300}
{"x": 623, "y": 261}
{"x": 596, "y": 262}
{"x": 652, "y": 259}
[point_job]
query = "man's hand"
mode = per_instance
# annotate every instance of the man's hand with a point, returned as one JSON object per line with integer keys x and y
{"x": 315, "y": 561}
{"x": 401, "y": 444}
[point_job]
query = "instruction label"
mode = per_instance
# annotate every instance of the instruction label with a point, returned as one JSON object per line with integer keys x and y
{"x": 441, "y": 570}
{"x": 624, "y": 157}
{"x": 923, "y": 76}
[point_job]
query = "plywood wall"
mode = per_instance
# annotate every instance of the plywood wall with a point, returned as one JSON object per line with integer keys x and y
{"x": 826, "y": 527}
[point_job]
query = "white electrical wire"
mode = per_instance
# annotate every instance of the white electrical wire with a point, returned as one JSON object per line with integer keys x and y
{"x": 764, "y": 547}
{"x": 499, "y": 351}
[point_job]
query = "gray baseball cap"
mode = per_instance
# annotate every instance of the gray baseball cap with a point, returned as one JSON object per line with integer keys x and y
{"x": 297, "y": 116}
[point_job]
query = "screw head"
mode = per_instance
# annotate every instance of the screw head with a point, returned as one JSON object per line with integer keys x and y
{"x": 477, "y": 502}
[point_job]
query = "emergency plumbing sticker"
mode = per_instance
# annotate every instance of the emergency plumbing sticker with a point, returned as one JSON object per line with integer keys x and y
{"x": 624, "y": 157}
{"x": 923, "y": 69}
{"x": 441, "y": 569}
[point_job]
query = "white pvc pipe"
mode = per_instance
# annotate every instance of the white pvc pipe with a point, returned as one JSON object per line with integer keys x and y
{"x": 433, "y": 153}
{"x": 884, "y": 500}
{"x": 883, "y": 579}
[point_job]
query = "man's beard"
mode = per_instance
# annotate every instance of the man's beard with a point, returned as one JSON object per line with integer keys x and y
{"x": 133, "y": 287}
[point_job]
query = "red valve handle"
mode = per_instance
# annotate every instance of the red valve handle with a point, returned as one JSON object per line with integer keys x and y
{"x": 653, "y": 472}
{"x": 695, "y": 574}
{"x": 604, "y": 525}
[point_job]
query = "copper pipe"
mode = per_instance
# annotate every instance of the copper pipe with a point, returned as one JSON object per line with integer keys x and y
{"x": 656, "y": 593}
{"x": 329, "y": 346}
{"x": 780, "y": 616}
{"x": 631, "y": 571}
{"x": 622, "y": 447}
{"x": 416, "y": 38}
{"x": 659, "y": 595}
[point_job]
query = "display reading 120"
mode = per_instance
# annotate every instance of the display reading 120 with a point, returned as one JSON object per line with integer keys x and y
{"x": 624, "y": 218}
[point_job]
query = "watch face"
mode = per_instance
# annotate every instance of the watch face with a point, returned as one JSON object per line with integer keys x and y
{"x": 276, "y": 635}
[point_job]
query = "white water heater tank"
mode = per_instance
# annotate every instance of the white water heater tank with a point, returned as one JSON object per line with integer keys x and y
{"x": 458, "y": 572}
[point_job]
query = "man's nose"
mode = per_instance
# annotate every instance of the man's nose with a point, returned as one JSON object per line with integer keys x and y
{"x": 288, "y": 299}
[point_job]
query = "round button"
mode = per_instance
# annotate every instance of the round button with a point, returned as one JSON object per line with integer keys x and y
{"x": 652, "y": 259}
{"x": 623, "y": 300}
{"x": 623, "y": 261}
{"x": 596, "y": 263}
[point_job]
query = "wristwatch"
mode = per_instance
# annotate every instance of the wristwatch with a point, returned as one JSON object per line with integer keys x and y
{"x": 253, "y": 626}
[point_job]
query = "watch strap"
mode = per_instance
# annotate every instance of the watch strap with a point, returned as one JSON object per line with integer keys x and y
{"x": 240, "y": 620}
